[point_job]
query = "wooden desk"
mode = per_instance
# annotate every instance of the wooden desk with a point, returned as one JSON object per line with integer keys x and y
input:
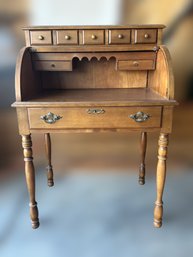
{"x": 94, "y": 79}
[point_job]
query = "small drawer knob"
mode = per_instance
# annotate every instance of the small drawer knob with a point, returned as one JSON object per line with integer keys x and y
{"x": 136, "y": 64}
{"x": 53, "y": 65}
{"x": 120, "y": 36}
{"x": 146, "y": 36}
{"x": 94, "y": 37}
{"x": 40, "y": 37}
{"x": 67, "y": 37}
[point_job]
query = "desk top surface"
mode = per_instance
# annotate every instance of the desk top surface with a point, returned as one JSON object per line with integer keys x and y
{"x": 161, "y": 26}
{"x": 105, "y": 97}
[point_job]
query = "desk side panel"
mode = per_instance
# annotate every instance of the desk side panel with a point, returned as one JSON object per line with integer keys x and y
{"x": 27, "y": 81}
{"x": 23, "y": 123}
{"x": 162, "y": 79}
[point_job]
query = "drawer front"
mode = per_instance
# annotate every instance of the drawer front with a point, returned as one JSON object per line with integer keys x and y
{"x": 92, "y": 37}
{"x": 99, "y": 117}
{"x": 67, "y": 37}
{"x": 136, "y": 65}
{"x": 145, "y": 36}
{"x": 119, "y": 36}
{"x": 53, "y": 65}
{"x": 41, "y": 37}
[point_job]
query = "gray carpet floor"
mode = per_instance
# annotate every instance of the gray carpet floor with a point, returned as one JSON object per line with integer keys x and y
{"x": 97, "y": 216}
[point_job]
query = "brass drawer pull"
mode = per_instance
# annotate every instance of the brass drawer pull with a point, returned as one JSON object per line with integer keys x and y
{"x": 67, "y": 37}
{"x": 146, "y": 36}
{"x": 40, "y": 37}
{"x": 50, "y": 118}
{"x": 94, "y": 37}
{"x": 95, "y": 111}
{"x": 140, "y": 117}
{"x": 120, "y": 36}
{"x": 136, "y": 64}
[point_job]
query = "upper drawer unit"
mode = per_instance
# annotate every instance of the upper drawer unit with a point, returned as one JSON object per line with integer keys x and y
{"x": 43, "y": 37}
{"x": 66, "y": 37}
{"x": 92, "y": 37}
{"x": 119, "y": 36}
{"x": 145, "y": 36}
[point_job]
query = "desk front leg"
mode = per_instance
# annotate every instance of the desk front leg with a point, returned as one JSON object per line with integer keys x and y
{"x": 30, "y": 178}
{"x": 160, "y": 180}
{"x": 143, "y": 153}
{"x": 50, "y": 176}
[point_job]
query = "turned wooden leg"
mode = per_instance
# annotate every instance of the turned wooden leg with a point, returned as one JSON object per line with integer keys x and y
{"x": 160, "y": 180}
{"x": 143, "y": 153}
{"x": 30, "y": 178}
{"x": 50, "y": 175}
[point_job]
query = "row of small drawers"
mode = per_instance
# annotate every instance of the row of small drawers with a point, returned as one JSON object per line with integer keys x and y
{"x": 121, "y": 65}
{"x": 60, "y": 62}
{"x": 93, "y": 37}
{"x": 100, "y": 117}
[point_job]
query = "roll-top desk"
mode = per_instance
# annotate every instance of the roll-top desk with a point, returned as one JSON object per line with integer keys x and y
{"x": 94, "y": 79}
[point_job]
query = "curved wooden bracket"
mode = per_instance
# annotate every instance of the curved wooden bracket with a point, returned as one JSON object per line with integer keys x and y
{"x": 63, "y": 56}
{"x": 26, "y": 80}
{"x": 18, "y": 72}
{"x": 162, "y": 79}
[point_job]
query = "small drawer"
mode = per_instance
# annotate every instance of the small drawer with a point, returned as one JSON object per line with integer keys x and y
{"x": 67, "y": 37}
{"x": 136, "y": 65}
{"x": 53, "y": 65}
{"x": 95, "y": 117}
{"x": 92, "y": 37}
{"x": 145, "y": 36}
{"x": 119, "y": 36}
{"x": 43, "y": 37}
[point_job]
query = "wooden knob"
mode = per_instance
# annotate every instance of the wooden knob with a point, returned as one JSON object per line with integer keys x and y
{"x": 40, "y": 37}
{"x": 94, "y": 37}
{"x": 53, "y": 65}
{"x": 147, "y": 36}
{"x": 67, "y": 37}
{"x": 136, "y": 63}
{"x": 120, "y": 36}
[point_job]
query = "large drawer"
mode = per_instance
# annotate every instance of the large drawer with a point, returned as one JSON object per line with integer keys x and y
{"x": 99, "y": 117}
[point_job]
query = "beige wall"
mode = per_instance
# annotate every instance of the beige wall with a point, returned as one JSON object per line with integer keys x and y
{"x": 168, "y": 12}
{"x": 75, "y": 12}
{"x": 13, "y": 6}
{"x": 151, "y": 11}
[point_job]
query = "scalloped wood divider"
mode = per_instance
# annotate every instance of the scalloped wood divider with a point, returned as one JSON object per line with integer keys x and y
{"x": 89, "y": 56}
